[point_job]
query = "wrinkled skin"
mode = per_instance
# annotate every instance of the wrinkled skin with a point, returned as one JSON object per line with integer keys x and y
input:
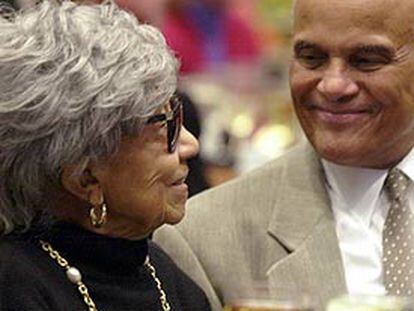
{"x": 352, "y": 79}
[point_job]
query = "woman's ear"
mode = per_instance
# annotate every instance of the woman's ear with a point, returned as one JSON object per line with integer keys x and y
{"x": 82, "y": 183}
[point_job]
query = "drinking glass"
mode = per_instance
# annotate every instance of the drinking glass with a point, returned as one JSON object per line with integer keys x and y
{"x": 371, "y": 303}
{"x": 260, "y": 298}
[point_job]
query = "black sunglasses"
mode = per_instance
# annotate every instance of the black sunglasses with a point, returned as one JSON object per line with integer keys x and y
{"x": 173, "y": 119}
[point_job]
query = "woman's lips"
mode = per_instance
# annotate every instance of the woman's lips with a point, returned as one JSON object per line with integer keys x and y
{"x": 180, "y": 186}
{"x": 180, "y": 181}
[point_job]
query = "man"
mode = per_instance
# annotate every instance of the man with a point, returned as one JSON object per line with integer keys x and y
{"x": 317, "y": 220}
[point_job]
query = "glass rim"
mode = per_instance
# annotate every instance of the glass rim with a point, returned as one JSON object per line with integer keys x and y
{"x": 384, "y": 302}
{"x": 270, "y": 303}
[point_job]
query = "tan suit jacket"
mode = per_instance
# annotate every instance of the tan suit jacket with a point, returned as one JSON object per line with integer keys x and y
{"x": 274, "y": 224}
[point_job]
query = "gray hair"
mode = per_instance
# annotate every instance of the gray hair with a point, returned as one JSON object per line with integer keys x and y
{"x": 74, "y": 79}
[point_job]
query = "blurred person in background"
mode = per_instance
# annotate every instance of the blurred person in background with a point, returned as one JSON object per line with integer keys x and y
{"x": 206, "y": 35}
{"x": 196, "y": 179}
{"x": 336, "y": 215}
{"x": 92, "y": 160}
{"x": 147, "y": 11}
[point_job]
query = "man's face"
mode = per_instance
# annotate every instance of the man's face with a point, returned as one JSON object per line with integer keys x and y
{"x": 352, "y": 79}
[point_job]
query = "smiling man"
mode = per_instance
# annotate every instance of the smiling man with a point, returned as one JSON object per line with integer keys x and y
{"x": 351, "y": 79}
{"x": 334, "y": 216}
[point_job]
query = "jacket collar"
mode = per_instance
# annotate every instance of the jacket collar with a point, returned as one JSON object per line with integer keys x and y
{"x": 303, "y": 190}
{"x": 302, "y": 222}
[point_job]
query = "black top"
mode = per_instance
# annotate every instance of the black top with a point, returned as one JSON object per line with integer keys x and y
{"x": 111, "y": 268}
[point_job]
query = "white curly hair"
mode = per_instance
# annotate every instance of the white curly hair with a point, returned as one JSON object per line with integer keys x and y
{"x": 74, "y": 79}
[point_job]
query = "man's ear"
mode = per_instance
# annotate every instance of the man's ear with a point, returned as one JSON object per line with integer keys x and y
{"x": 82, "y": 183}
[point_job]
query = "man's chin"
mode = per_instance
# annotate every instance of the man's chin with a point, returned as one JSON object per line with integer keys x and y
{"x": 341, "y": 154}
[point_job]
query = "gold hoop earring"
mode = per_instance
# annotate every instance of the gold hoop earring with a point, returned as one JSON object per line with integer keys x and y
{"x": 98, "y": 221}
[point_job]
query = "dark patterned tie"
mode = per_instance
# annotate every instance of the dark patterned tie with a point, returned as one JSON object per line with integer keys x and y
{"x": 397, "y": 237}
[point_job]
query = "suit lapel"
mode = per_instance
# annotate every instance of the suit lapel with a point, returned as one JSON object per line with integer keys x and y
{"x": 303, "y": 223}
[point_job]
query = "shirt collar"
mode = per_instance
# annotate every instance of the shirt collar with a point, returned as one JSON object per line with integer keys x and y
{"x": 407, "y": 165}
{"x": 360, "y": 188}
{"x": 357, "y": 188}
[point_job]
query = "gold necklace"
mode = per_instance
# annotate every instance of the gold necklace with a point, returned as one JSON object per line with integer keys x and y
{"x": 74, "y": 276}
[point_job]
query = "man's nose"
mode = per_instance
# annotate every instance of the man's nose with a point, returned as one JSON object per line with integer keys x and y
{"x": 188, "y": 145}
{"x": 336, "y": 84}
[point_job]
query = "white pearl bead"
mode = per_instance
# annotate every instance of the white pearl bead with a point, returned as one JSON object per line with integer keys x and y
{"x": 73, "y": 275}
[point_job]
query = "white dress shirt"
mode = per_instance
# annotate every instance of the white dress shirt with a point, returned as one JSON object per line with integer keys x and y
{"x": 360, "y": 208}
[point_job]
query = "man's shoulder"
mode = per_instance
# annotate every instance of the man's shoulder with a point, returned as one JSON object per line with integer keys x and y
{"x": 252, "y": 196}
{"x": 263, "y": 181}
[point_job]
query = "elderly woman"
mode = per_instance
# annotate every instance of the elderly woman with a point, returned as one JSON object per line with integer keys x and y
{"x": 92, "y": 160}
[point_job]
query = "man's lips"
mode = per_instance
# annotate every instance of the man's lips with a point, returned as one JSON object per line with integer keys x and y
{"x": 342, "y": 115}
{"x": 343, "y": 110}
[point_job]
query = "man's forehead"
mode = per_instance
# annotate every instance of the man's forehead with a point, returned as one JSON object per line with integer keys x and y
{"x": 395, "y": 17}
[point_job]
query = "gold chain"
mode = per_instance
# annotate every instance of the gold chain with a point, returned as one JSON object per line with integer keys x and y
{"x": 163, "y": 297}
{"x": 83, "y": 290}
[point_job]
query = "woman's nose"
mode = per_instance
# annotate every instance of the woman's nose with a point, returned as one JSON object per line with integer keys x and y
{"x": 188, "y": 145}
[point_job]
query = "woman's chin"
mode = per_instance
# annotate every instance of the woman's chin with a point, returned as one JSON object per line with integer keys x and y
{"x": 175, "y": 213}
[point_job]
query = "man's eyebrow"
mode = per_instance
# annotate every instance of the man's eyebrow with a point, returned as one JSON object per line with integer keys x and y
{"x": 302, "y": 44}
{"x": 374, "y": 48}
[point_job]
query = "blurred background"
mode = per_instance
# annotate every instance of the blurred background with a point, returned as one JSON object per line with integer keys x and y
{"x": 234, "y": 58}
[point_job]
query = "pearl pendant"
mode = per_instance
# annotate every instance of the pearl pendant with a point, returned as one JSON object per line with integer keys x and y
{"x": 74, "y": 275}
